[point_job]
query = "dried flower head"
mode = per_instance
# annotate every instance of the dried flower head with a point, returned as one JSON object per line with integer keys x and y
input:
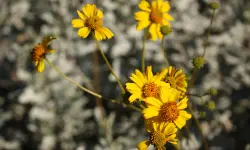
{"x": 39, "y": 52}
{"x": 153, "y": 15}
{"x": 177, "y": 79}
{"x": 91, "y": 20}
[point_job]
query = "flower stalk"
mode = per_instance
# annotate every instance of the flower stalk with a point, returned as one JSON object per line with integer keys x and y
{"x": 87, "y": 90}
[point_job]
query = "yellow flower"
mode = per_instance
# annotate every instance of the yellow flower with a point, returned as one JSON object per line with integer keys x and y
{"x": 166, "y": 108}
{"x": 153, "y": 15}
{"x": 160, "y": 134}
{"x": 177, "y": 79}
{"x": 145, "y": 86}
{"x": 39, "y": 52}
{"x": 91, "y": 20}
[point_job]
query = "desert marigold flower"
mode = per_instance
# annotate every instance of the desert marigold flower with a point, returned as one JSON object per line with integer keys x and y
{"x": 147, "y": 85}
{"x": 39, "y": 52}
{"x": 160, "y": 134}
{"x": 167, "y": 108}
{"x": 153, "y": 15}
{"x": 177, "y": 79}
{"x": 91, "y": 20}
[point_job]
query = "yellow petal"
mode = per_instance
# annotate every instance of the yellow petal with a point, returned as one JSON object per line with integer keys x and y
{"x": 106, "y": 32}
{"x": 166, "y": 94}
{"x": 165, "y": 7}
{"x": 144, "y": 5}
{"x": 168, "y": 17}
{"x": 89, "y": 10}
{"x": 137, "y": 80}
{"x": 153, "y": 31}
{"x": 99, "y": 13}
{"x": 173, "y": 141}
{"x": 143, "y": 145}
{"x": 133, "y": 97}
{"x": 50, "y": 51}
{"x": 180, "y": 122}
{"x": 174, "y": 95}
{"x": 150, "y": 112}
{"x": 140, "y": 75}
{"x": 170, "y": 129}
{"x": 183, "y": 103}
{"x": 83, "y": 32}
{"x": 99, "y": 36}
{"x": 142, "y": 16}
{"x": 132, "y": 87}
{"x": 165, "y": 23}
{"x": 161, "y": 75}
{"x": 151, "y": 101}
{"x": 184, "y": 115}
{"x": 149, "y": 74}
{"x": 77, "y": 23}
{"x": 81, "y": 15}
{"x": 40, "y": 65}
{"x": 158, "y": 31}
{"x": 142, "y": 24}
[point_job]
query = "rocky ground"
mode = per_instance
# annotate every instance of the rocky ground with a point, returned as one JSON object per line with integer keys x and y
{"x": 43, "y": 111}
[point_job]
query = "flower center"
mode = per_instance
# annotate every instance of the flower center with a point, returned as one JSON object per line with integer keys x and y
{"x": 156, "y": 16}
{"x": 150, "y": 90}
{"x": 38, "y": 52}
{"x": 169, "y": 111}
{"x": 157, "y": 139}
{"x": 171, "y": 81}
{"x": 93, "y": 22}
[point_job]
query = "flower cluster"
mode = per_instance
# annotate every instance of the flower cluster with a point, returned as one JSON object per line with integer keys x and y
{"x": 162, "y": 97}
{"x": 165, "y": 100}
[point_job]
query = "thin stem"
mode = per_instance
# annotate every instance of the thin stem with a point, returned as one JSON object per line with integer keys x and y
{"x": 191, "y": 83}
{"x": 87, "y": 90}
{"x": 110, "y": 67}
{"x": 208, "y": 33}
{"x": 204, "y": 141}
{"x": 96, "y": 83}
{"x": 163, "y": 51}
{"x": 143, "y": 51}
{"x": 196, "y": 95}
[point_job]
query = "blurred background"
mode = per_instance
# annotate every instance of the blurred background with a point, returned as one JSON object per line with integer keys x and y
{"x": 43, "y": 111}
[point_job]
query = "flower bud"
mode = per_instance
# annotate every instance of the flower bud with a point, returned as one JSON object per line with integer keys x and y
{"x": 214, "y": 5}
{"x": 202, "y": 114}
{"x": 211, "y": 105}
{"x": 198, "y": 62}
{"x": 213, "y": 91}
{"x": 165, "y": 30}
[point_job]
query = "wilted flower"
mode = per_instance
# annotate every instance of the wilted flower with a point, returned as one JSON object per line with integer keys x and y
{"x": 177, "y": 79}
{"x": 39, "y": 52}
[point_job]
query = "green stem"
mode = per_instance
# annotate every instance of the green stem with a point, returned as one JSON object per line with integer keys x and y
{"x": 199, "y": 128}
{"x": 110, "y": 67}
{"x": 208, "y": 33}
{"x": 143, "y": 51}
{"x": 163, "y": 51}
{"x": 196, "y": 95}
{"x": 191, "y": 83}
{"x": 87, "y": 90}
